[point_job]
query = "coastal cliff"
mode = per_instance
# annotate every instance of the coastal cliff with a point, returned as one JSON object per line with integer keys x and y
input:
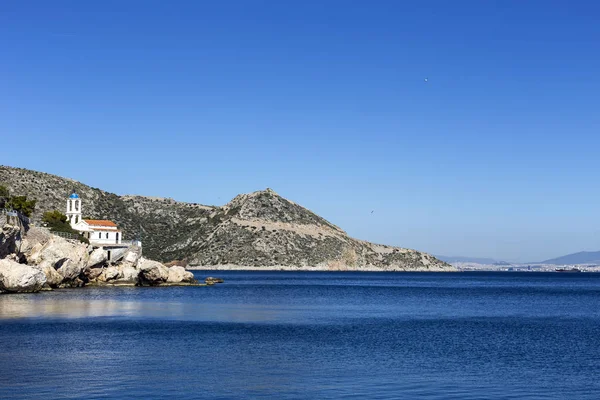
{"x": 260, "y": 230}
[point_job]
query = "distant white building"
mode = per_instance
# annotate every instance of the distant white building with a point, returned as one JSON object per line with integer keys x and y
{"x": 97, "y": 231}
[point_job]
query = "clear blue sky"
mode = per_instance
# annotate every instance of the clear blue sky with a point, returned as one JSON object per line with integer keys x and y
{"x": 497, "y": 155}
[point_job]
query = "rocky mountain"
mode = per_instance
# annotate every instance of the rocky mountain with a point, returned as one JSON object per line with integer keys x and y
{"x": 583, "y": 257}
{"x": 257, "y": 230}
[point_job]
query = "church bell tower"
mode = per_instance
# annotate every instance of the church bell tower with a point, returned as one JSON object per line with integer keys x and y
{"x": 73, "y": 209}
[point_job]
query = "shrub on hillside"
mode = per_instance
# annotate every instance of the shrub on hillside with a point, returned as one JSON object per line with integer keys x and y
{"x": 22, "y": 205}
{"x": 58, "y": 222}
{"x": 55, "y": 219}
{"x": 4, "y": 196}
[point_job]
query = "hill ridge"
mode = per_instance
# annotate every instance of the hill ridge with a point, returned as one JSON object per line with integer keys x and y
{"x": 257, "y": 230}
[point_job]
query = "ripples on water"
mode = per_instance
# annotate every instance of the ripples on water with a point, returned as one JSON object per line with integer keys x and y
{"x": 309, "y": 336}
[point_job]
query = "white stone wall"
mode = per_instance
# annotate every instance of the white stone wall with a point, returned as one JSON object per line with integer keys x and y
{"x": 105, "y": 237}
{"x": 82, "y": 226}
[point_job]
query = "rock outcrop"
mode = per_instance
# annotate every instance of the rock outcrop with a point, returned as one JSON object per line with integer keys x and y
{"x": 62, "y": 261}
{"x": 55, "y": 262}
{"x": 20, "y": 278}
{"x": 98, "y": 257}
{"x": 53, "y": 278}
{"x": 152, "y": 272}
{"x": 260, "y": 230}
{"x": 212, "y": 280}
{"x": 60, "y": 252}
{"x": 129, "y": 274}
{"x": 9, "y": 237}
{"x": 136, "y": 270}
{"x": 179, "y": 274}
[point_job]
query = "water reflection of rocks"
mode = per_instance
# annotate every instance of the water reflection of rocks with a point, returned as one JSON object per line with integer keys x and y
{"x": 17, "y": 307}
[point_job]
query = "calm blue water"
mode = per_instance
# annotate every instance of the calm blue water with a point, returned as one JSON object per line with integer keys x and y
{"x": 285, "y": 335}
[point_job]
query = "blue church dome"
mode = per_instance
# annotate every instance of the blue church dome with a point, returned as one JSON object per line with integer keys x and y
{"x": 74, "y": 196}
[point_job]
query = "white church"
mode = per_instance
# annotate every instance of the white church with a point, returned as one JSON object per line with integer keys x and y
{"x": 98, "y": 231}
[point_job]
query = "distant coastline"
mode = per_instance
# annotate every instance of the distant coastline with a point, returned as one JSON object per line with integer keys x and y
{"x": 595, "y": 269}
{"x": 525, "y": 267}
{"x": 231, "y": 267}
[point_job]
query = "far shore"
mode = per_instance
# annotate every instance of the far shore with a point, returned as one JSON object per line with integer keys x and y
{"x": 231, "y": 267}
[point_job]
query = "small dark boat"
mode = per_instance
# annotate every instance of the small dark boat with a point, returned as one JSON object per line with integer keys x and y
{"x": 567, "y": 270}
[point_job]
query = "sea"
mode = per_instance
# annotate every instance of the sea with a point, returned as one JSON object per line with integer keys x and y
{"x": 309, "y": 335}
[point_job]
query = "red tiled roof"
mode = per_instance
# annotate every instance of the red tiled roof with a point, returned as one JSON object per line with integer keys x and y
{"x": 100, "y": 222}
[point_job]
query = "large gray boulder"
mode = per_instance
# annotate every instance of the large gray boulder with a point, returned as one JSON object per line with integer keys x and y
{"x": 98, "y": 257}
{"x": 68, "y": 257}
{"x": 110, "y": 274}
{"x": 57, "y": 249}
{"x": 20, "y": 278}
{"x": 180, "y": 275}
{"x": 93, "y": 273}
{"x": 69, "y": 269}
{"x": 53, "y": 278}
{"x": 34, "y": 240}
{"x": 152, "y": 272}
{"x": 116, "y": 274}
{"x": 129, "y": 274}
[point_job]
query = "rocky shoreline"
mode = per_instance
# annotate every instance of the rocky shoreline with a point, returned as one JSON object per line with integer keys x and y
{"x": 36, "y": 260}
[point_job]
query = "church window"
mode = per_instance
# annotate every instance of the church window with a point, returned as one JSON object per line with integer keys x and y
{"x": 71, "y": 205}
{"x": 99, "y": 235}
{"x": 107, "y": 235}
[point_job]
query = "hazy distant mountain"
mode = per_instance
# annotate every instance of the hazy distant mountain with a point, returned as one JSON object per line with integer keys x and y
{"x": 475, "y": 260}
{"x": 583, "y": 257}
